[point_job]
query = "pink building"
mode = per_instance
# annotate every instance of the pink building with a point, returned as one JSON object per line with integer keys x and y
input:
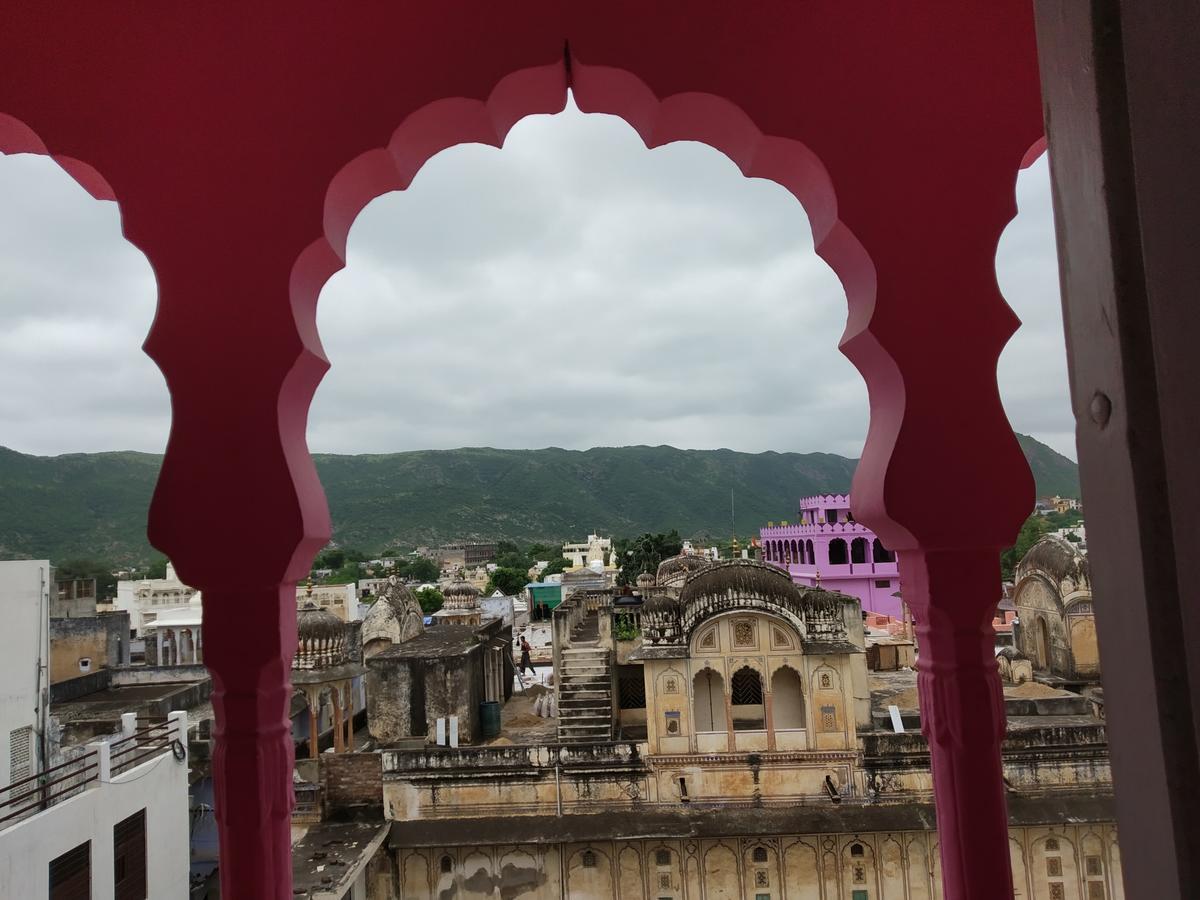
{"x": 829, "y": 547}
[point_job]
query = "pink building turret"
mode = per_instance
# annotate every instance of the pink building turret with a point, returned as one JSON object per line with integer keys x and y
{"x": 826, "y": 547}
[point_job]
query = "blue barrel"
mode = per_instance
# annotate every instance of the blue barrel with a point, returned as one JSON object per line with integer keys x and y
{"x": 489, "y": 719}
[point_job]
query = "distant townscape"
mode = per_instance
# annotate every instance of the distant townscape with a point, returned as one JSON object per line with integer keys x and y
{"x": 497, "y": 712}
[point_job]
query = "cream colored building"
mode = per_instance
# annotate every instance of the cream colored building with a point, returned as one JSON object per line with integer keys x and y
{"x": 594, "y": 549}
{"x": 146, "y": 598}
{"x": 339, "y": 599}
{"x": 1057, "y": 622}
{"x": 757, "y": 768}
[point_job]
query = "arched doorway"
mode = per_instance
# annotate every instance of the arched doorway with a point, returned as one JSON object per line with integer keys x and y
{"x": 708, "y": 702}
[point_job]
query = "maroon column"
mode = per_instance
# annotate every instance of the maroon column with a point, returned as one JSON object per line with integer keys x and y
{"x": 250, "y": 636}
{"x": 953, "y": 596}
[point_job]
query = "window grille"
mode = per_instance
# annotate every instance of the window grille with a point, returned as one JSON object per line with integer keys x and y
{"x": 760, "y": 854}
{"x": 662, "y": 857}
{"x": 589, "y": 859}
{"x": 746, "y": 687}
{"x": 631, "y": 689}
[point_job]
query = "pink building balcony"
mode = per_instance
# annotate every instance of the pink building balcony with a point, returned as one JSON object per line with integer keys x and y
{"x": 242, "y": 141}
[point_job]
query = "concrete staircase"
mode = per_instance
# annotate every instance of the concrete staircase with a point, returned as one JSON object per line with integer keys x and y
{"x": 585, "y": 700}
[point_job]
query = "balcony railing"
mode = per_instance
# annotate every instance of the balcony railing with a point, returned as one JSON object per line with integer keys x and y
{"x": 98, "y": 763}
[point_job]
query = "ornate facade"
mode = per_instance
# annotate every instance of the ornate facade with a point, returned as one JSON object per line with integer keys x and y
{"x": 1053, "y": 596}
{"x": 762, "y": 772}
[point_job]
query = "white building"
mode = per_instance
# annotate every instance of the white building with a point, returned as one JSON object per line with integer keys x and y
{"x": 123, "y": 826}
{"x": 178, "y": 634}
{"x": 112, "y": 816}
{"x": 145, "y": 599}
{"x": 25, "y": 586}
{"x": 339, "y": 599}
{"x": 594, "y": 549}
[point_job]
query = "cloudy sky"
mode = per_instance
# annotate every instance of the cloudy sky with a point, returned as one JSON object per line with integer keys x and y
{"x": 574, "y": 290}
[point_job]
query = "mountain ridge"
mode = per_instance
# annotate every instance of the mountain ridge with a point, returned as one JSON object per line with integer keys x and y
{"x": 94, "y": 504}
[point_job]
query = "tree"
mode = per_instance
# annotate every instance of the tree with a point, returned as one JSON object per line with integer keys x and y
{"x": 332, "y": 558}
{"x": 557, "y": 564}
{"x": 644, "y": 553}
{"x": 539, "y": 551}
{"x": 507, "y": 581}
{"x": 157, "y": 568}
{"x": 1031, "y": 532}
{"x": 420, "y": 568}
{"x": 430, "y": 599}
{"x": 347, "y": 574}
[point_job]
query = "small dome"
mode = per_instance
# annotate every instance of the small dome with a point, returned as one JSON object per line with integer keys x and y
{"x": 645, "y": 580}
{"x": 461, "y": 595}
{"x": 321, "y": 638}
{"x": 1057, "y": 558}
{"x": 682, "y": 565}
{"x": 660, "y": 603}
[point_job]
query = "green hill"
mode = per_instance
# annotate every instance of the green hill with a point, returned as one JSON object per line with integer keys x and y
{"x": 94, "y": 504}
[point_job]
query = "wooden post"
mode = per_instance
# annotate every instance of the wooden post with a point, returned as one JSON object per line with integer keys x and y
{"x": 1121, "y": 87}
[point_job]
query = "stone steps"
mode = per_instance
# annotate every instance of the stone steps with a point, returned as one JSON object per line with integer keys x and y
{"x": 584, "y": 679}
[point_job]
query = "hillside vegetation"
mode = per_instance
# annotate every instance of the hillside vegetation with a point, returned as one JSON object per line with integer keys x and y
{"x": 94, "y": 504}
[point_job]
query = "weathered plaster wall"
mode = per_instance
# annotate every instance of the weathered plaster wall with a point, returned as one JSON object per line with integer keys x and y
{"x": 1049, "y": 863}
{"x": 101, "y": 640}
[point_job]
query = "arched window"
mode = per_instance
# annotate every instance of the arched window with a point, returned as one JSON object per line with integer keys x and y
{"x": 812, "y": 557}
{"x": 787, "y": 703}
{"x": 447, "y": 864}
{"x": 837, "y": 552}
{"x": 759, "y": 854}
{"x": 589, "y": 859}
{"x": 796, "y": 553}
{"x": 746, "y": 696}
{"x": 858, "y": 550}
{"x": 882, "y": 553}
{"x": 787, "y": 553}
{"x": 708, "y": 701}
{"x": 856, "y": 849}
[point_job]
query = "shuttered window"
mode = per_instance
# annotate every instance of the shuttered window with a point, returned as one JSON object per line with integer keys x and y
{"x": 71, "y": 874}
{"x": 129, "y": 858}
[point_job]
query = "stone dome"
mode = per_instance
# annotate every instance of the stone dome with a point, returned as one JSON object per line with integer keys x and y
{"x": 742, "y": 576}
{"x": 645, "y": 580}
{"x": 678, "y": 567}
{"x": 660, "y": 603}
{"x": 461, "y": 595}
{"x": 1057, "y": 558}
{"x": 321, "y": 638}
{"x": 393, "y": 618}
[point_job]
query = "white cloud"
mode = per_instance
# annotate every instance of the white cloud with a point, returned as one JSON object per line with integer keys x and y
{"x": 571, "y": 290}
